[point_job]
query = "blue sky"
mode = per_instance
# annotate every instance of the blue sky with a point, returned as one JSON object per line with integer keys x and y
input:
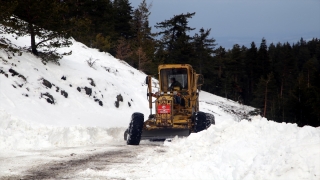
{"x": 244, "y": 21}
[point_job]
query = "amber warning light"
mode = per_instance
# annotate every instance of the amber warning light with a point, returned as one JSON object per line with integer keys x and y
{"x": 164, "y": 109}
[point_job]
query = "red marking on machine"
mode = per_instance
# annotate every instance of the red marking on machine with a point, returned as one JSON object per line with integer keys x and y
{"x": 164, "y": 109}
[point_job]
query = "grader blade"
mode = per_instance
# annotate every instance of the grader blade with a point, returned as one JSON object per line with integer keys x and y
{"x": 161, "y": 134}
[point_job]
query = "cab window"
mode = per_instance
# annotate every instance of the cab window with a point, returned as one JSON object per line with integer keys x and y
{"x": 178, "y": 74}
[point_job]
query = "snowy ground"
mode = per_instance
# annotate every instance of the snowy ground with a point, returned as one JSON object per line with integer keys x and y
{"x": 76, "y": 138}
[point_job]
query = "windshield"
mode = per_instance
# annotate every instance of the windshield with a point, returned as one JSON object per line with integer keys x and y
{"x": 174, "y": 79}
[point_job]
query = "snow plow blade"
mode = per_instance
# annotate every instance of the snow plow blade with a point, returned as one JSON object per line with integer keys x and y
{"x": 162, "y": 134}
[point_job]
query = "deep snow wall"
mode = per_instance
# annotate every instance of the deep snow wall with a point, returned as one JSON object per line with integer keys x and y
{"x": 259, "y": 149}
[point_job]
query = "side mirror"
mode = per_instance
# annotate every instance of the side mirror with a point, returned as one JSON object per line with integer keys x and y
{"x": 200, "y": 80}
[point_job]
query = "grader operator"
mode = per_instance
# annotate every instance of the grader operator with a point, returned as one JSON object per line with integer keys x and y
{"x": 176, "y": 107}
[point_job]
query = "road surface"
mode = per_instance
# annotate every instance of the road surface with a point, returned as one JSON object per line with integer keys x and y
{"x": 117, "y": 161}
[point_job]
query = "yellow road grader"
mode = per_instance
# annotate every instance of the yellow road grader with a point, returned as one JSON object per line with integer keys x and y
{"x": 176, "y": 107}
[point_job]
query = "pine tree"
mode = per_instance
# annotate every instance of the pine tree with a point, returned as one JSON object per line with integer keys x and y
{"x": 302, "y": 53}
{"x": 175, "y": 39}
{"x": 288, "y": 70}
{"x": 204, "y": 49}
{"x": 235, "y": 68}
{"x": 93, "y": 17}
{"x": 251, "y": 70}
{"x": 104, "y": 44}
{"x": 160, "y": 56}
{"x": 310, "y": 69}
{"x": 142, "y": 59}
{"x": 123, "y": 49}
{"x": 140, "y": 23}
{"x": 263, "y": 58}
{"x": 218, "y": 70}
{"x": 304, "y": 104}
{"x": 42, "y": 19}
{"x": 122, "y": 18}
{"x": 142, "y": 40}
{"x": 220, "y": 59}
{"x": 265, "y": 94}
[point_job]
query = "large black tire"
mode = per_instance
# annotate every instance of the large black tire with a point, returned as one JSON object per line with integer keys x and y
{"x": 200, "y": 121}
{"x": 210, "y": 119}
{"x": 135, "y": 129}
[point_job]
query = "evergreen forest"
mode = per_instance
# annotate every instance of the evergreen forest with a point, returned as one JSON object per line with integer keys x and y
{"x": 281, "y": 80}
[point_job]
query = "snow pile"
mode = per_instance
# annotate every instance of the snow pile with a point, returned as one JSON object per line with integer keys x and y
{"x": 259, "y": 149}
{"x": 18, "y": 134}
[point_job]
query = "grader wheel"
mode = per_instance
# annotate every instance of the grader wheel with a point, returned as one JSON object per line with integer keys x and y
{"x": 135, "y": 129}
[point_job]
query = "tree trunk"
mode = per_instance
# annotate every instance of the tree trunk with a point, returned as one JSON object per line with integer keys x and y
{"x": 139, "y": 58}
{"x": 308, "y": 79}
{"x": 266, "y": 96}
{"x": 33, "y": 40}
{"x": 225, "y": 90}
{"x": 281, "y": 88}
{"x": 265, "y": 100}
{"x": 251, "y": 83}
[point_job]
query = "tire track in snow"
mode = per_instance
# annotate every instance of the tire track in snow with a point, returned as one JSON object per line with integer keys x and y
{"x": 65, "y": 169}
{"x": 124, "y": 157}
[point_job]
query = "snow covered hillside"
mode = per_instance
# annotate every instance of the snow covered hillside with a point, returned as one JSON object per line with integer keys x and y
{"x": 24, "y": 95}
{"x": 46, "y": 108}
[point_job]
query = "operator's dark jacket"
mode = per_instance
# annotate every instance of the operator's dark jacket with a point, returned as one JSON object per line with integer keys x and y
{"x": 175, "y": 84}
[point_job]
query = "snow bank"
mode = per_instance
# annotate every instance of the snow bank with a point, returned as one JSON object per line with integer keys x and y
{"x": 259, "y": 149}
{"x": 18, "y": 134}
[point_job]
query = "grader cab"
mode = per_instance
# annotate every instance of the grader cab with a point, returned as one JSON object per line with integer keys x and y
{"x": 176, "y": 107}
